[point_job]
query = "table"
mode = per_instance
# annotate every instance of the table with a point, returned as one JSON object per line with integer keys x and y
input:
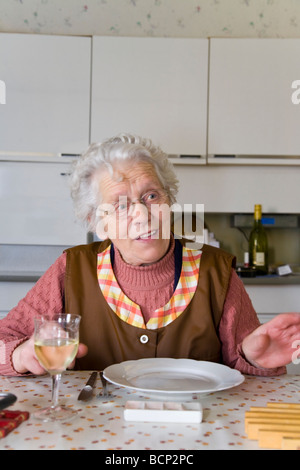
{"x": 100, "y": 424}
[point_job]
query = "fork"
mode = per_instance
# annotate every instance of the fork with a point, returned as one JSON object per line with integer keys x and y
{"x": 105, "y": 392}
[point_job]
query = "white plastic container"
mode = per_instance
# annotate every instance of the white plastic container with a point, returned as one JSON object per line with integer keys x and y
{"x": 155, "y": 411}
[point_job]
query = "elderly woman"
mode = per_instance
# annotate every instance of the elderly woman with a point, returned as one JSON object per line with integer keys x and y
{"x": 140, "y": 292}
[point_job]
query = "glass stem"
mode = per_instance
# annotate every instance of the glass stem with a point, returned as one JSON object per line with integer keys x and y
{"x": 55, "y": 389}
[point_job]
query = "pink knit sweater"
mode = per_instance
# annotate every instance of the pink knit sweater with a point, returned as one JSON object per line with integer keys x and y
{"x": 139, "y": 282}
{"x": 238, "y": 319}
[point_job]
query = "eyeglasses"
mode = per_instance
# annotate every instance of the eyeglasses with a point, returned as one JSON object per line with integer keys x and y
{"x": 123, "y": 206}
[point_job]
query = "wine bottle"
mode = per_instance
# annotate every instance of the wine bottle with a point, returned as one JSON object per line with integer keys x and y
{"x": 258, "y": 244}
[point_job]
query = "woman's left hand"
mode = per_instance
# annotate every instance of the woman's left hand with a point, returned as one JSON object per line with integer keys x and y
{"x": 275, "y": 343}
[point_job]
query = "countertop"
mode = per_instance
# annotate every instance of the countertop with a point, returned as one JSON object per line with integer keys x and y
{"x": 33, "y": 276}
{"x": 272, "y": 279}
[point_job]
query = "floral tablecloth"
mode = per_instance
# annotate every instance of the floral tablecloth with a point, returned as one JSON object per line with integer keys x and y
{"x": 100, "y": 424}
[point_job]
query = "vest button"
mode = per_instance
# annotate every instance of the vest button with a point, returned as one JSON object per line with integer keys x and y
{"x": 144, "y": 339}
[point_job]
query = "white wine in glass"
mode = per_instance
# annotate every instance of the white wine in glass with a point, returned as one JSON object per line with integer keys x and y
{"x": 56, "y": 342}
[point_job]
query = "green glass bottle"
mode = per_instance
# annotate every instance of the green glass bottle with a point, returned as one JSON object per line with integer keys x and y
{"x": 258, "y": 244}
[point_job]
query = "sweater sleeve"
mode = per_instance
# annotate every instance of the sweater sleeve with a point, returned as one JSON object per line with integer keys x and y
{"x": 45, "y": 297}
{"x": 239, "y": 319}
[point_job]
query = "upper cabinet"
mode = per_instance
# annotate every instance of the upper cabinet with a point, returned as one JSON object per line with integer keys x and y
{"x": 251, "y": 111}
{"x": 35, "y": 204}
{"x": 153, "y": 87}
{"x": 236, "y": 188}
{"x": 47, "y": 81}
{"x": 193, "y": 97}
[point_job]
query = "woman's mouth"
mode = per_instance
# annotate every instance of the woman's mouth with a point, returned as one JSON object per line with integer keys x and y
{"x": 148, "y": 235}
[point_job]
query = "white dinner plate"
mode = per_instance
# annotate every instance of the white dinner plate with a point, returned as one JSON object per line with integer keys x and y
{"x": 177, "y": 377}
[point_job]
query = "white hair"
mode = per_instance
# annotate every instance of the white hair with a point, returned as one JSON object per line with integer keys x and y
{"x": 106, "y": 156}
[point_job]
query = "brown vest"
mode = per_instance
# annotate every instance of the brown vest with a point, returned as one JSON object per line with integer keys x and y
{"x": 110, "y": 340}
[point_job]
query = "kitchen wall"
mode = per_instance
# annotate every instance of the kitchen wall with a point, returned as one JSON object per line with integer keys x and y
{"x": 284, "y": 244}
{"x": 157, "y": 18}
{"x": 168, "y": 18}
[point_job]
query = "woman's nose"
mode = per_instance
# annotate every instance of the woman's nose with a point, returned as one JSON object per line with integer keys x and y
{"x": 139, "y": 212}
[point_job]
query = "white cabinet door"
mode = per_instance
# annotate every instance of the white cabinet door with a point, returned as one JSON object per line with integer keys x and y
{"x": 234, "y": 189}
{"x": 36, "y": 206}
{"x": 153, "y": 87}
{"x": 274, "y": 299}
{"x": 47, "y": 82}
{"x": 250, "y": 97}
{"x": 11, "y": 293}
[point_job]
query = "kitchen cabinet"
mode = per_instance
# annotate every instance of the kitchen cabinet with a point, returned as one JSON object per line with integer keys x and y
{"x": 251, "y": 112}
{"x": 47, "y": 82}
{"x": 36, "y": 206}
{"x": 11, "y": 293}
{"x": 269, "y": 300}
{"x": 153, "y": 87}
{"x": 234, "y": 189}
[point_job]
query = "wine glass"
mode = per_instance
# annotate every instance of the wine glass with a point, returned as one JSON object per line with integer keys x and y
{"x": 56, "y": 342}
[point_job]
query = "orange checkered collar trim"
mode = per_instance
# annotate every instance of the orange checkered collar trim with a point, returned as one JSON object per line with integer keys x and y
{"x": 130, "y": 312}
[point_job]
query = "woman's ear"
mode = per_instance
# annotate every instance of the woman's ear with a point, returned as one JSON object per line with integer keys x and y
{"x": 101, "y": 232}
{"x": 101, "y": 225}
{"x": 96, "y": 224}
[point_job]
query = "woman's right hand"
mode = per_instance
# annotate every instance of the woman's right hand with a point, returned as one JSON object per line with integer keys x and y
{"x": 24, "y": 359}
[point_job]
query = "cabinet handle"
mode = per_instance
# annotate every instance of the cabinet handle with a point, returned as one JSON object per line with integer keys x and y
{"x": 70, "y": 154}
{"x": 65, "y": 174}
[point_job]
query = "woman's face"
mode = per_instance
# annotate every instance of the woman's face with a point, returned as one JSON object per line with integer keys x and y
{"x": 142, "y": 231}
